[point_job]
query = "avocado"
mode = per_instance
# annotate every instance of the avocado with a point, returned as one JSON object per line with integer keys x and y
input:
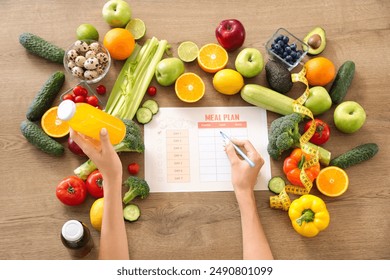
{"x": 316, "y": 40}
{"x": 278, "y": 76}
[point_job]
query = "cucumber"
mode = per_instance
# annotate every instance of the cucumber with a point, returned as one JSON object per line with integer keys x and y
{"x": 144, "y": 115}
{"x": 267, "y": 99}
{"x": 356, "y": 155}
{"x": 41, "y": 47}
{"x": 36, "y": 136}
{"x": 152, "y": 105}
{"x": 131, "y": 212}
{"x": 276, "y": 184}
{"x": 342, "y": 82}
{"x": 45, "y": 97}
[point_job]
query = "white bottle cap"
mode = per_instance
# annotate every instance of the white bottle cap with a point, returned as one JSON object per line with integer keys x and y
{"x": 66, "y": 110}
{"x": 72, "y": 230}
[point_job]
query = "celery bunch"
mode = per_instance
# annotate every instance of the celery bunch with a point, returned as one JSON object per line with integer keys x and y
{"x": 134, "y": 78}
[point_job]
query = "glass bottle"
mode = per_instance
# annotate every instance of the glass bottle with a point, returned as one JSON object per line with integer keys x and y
{"x": 77, "y": 238}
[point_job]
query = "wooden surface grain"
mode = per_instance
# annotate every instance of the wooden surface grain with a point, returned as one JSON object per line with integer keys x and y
{"x": 197, "y": 225}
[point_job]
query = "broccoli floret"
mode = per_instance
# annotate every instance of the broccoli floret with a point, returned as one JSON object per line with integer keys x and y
{"x": 284, "y": 134}
{"x": 137, "y": 187}
{"x": 133, "y": 142}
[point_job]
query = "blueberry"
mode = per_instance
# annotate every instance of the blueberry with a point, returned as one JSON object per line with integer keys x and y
{"x": 287, "y": 49}
{"x": 288, "y": 58}
{"x": 281, "y": 43}
{"x": 293, "y": 54}
{"x": 277, "y": 47}
{"x": 285, "y": 39}
{"x": 284, "y": 54}
{"x": 293, "y": 46}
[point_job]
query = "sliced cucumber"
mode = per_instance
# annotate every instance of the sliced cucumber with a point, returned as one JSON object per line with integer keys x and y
{"x": 152, "y": 105}
{"x": 131, "y": 212}
{"x": 144, "y": 115}
{"x": 276, "y": 184}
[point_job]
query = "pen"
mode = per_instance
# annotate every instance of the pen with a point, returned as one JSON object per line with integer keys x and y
{"x": 238, "y": 150}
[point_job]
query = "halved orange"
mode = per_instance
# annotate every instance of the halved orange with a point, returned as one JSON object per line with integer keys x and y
{"x": 332, "y": 181}
{"x": 189, "y": 87}
{"x": 212, "y": 58}
{"x": 52, "y": 125}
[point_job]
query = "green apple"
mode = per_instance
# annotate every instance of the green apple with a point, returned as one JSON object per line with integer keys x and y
{"x": 319, "y": 100}
{"x": 349, "y": 116}
{"x": 249, "y": 62}
{"x": 168, "y": 70}
{"x": 117, "y": 13}
{"x": 87, "y": 31}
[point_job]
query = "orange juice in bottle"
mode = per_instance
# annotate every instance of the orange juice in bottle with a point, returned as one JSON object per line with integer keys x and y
{"x": 89, "y": 120}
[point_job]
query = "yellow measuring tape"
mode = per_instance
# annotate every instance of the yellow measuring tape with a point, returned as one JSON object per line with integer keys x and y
{"x": 283, "y": 201}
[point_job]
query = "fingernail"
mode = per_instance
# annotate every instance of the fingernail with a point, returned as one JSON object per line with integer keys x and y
{"x": 103, "y": 131}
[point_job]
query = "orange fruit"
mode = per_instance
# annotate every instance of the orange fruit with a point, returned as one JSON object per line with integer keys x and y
{"x": 212, "y": 58}
{"x": 189, "y": 87}
{"x": 119, "y": 42}
{"x": 52, "y": 125}
{"x": 320, "y": 71}
{"x": 332, "y": 181}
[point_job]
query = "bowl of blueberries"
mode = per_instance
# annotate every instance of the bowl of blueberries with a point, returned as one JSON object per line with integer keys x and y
{"x": 287, "y": 48}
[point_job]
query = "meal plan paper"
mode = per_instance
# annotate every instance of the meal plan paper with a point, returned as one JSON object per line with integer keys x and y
{"x": 184, "y": 149}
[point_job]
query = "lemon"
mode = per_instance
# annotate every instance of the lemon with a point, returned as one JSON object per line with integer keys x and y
{"x": 96, "y": 214}
{"x": 137, "y": 28}
{"x": 187, "y": 51}
{"x": 228, "y": 81}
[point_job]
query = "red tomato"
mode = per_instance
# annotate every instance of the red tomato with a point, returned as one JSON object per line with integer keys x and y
{"x": 80, "y": 91}
{"x": 71, "y": 191}
{"x": 101, "y": 89}
{"x": 79, "y": 99}
{"x": 133, "y": 168}
{"x": 152, "y": 90}
{"x": 322, "y": 132}
{"x": 92, "y": 100}
{"x": 68, "y": 96}
{"x": 94, "y": 184}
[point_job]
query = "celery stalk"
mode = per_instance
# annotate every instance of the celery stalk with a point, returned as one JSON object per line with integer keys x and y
{"x": 134, "y": 78}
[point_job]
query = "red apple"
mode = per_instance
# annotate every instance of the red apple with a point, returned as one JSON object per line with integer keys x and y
{"x": 230, "y": 34}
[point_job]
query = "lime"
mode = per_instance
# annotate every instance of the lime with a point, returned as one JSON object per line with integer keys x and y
{"x": 188, "y": 51}
{"x": 87, "y": 31}
{"x": 137, "y": 27}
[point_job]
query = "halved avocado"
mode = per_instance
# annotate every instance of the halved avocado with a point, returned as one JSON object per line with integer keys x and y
{"x": 316, "y": 39}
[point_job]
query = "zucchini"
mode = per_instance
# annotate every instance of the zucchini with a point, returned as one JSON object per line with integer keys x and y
{"x": 41, "y": 47}
{"x": 356, "y": 155}
{"x": 45, "y": 97}
{"x": 276, "y": 184}
{"x": 144, "y": 115}
{"x": 131, "y": 212}
{"x": 152, "y": 105}
{"x": 36, "y": 136}
{"x": 342, "y": 82}
{"x": 267, "y": 99}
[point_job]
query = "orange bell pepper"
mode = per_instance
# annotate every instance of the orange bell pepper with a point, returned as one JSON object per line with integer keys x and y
{"x": 293, "y": 165}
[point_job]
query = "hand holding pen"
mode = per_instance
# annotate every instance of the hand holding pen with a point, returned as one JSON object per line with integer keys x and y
{"x": 244, "y": 176}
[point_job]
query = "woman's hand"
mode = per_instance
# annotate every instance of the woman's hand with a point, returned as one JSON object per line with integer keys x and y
{"x": 244, "y": 176}
{"x": 102, "y": 153}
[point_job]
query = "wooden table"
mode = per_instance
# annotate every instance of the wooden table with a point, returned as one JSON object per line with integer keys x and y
{"x": 197, "y": 225}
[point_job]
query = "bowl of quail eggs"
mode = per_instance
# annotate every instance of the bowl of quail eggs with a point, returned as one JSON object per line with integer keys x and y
{"x": 88, "y": 61}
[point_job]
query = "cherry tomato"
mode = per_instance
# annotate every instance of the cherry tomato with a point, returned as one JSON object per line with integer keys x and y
{"x": 80, "y": 91}
{"x": 133, "y": 168}
{"x": 68, "y": 96}
{"x": 152, "y": 90}
{"x": 79, "y": 99}
{"x": 71, "y": 191}
{"x": 94, "y": 184}
{"x": 101, "y": 89}
{"x": 322, "y": 132}
{"x": 92, "y": 100}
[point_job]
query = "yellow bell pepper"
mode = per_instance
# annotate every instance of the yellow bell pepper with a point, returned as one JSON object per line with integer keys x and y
{"x": 309, "y": 215}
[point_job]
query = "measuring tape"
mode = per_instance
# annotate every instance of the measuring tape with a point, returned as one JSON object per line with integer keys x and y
{"x": 283, "y": 201}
